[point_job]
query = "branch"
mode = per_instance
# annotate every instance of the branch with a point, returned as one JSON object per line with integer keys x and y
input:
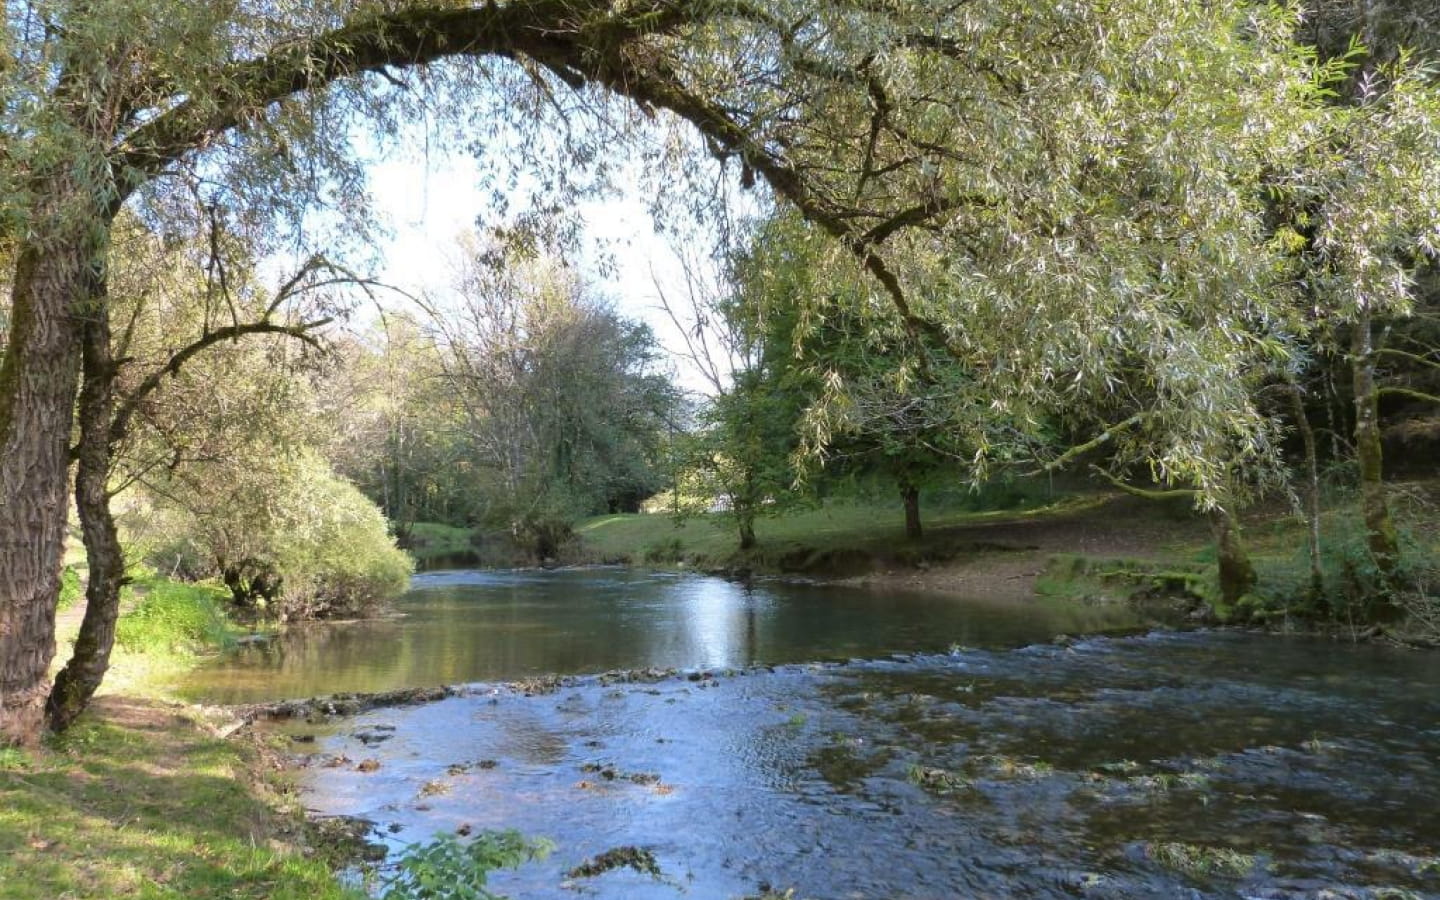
{"x": 120, "y": 426}
{"x": 1095, "y": 442}
{"x": 411, "y": 36}
{"x": 1412, "y": 357}
{"x": 1411, "y": 394}
{"x": 661, "y": 87}
{"x": 1132, "y": 490}
{"x": 918, "y": 215}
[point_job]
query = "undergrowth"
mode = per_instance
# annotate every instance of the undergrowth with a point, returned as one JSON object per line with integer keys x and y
{"x": 174, "y": 618}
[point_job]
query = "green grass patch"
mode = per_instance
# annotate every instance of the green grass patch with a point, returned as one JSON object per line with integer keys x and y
{"x": 1070, "y": 576}
{"x": 71, "y": 590}
{"x": 428, "y": 540}
{"x": 138, "y": 802}
{"x": 173, "y": 618}
{"x": 437, "y": 537}
{"x": 873, "y": 526}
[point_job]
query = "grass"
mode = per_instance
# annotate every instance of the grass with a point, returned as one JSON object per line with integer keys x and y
{"x": 790, "y": 541}
{"x": 428, "y": 539}
{"x": 139, "y": 801}
{"x": 173, "y": 618}
{"x": 165, "y": 628}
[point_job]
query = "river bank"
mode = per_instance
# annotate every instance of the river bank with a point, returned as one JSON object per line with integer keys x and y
{"x": 143, "y": 797}
{"x": 82, "y": 818}
{"x": 1087, "y": 547}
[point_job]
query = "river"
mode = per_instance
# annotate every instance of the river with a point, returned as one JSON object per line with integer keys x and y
{"x": 867, "y": 745}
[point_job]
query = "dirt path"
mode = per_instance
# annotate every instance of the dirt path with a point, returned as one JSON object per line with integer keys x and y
{"x": 1002, "y": 559}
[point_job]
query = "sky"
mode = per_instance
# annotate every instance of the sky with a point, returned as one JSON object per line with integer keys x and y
{"x": 427, "y": 200}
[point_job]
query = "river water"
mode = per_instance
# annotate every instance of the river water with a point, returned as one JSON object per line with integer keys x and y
{"x": 852, "y": 744}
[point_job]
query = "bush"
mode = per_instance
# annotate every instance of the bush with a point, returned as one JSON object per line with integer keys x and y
{"x": 337, "y": 557}
{"x": 291, "y": 541}
{"x": 173, "y": 617}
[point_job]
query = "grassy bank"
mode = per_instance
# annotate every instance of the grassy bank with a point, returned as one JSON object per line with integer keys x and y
{"x": 841, "y": 537}
{"x": 1089, "y": 547}
{"x": 140, "y": 798}
{"x": 435, "y": 540}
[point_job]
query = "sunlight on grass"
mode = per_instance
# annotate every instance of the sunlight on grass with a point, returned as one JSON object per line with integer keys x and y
{"x": 151, "y": 808}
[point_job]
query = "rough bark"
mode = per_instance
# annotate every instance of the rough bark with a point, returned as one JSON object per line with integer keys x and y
{"x": 37, "y": 398}
{"x": 1381, "y": 538}
{"x": 911, "y": 495}
{"x": 80, "y": 678}
{"x": 1237, "y": 573}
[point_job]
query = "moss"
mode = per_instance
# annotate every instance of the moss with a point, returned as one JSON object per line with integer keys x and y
{"x": 1120, "y": 580}
{"x": 1199, "y": 861}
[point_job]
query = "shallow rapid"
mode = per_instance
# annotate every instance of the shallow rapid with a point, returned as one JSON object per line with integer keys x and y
{"x": 1157, "y": 765}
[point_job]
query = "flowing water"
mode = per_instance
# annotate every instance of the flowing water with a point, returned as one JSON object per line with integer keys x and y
{"x": 1154, "y": 765}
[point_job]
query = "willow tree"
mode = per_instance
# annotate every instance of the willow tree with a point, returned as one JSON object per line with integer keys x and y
{"x": 109, "y": 103}
{"x": 1360, "y": 212}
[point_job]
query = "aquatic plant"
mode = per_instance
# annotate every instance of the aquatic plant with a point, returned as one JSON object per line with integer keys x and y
{"x": 448, "y": 869}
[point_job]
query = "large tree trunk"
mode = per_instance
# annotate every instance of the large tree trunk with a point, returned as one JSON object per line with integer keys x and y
{"x": 1381, "y": 537}
{"x": 911, "y": 494}
{"x": 37, "y": 399}
{"x": 77, "y": 682}
{"x": 1237, "y": 573}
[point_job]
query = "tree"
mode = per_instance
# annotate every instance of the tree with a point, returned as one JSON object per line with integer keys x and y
{"x": 395, "y": 428}
{"x": 565, "y": 411}
{"x": 871, "y": 397}
{"x": 105, "y": 102}
{"x": 121, "y": 400}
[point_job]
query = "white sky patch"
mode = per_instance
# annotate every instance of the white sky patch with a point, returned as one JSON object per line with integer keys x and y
{"x": 427, "y": 200}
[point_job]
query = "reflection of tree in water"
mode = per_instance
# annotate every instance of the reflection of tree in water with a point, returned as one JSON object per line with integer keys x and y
{"x": 504, "y": 628}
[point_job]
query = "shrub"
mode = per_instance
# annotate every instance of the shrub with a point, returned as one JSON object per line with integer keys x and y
{"x": 291, "y": 541}
{"x": 337, "y": 556}
{"x": 446, "y": 869}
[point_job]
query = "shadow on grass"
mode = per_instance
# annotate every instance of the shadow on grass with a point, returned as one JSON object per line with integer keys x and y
{"x": 149, "y": 808}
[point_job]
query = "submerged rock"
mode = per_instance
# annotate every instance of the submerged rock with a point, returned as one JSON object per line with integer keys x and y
{"x": 637, "y": 858}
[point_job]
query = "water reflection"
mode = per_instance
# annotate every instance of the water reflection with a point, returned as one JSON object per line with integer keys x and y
{"x": 464, "y": 626}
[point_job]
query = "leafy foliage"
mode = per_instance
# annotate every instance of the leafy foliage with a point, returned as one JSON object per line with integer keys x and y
{"x": 321, "y": 547}
{"x": 564, "y": 411}
{"x": 174, "y": 617}
{"x": 448, "y": 869}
